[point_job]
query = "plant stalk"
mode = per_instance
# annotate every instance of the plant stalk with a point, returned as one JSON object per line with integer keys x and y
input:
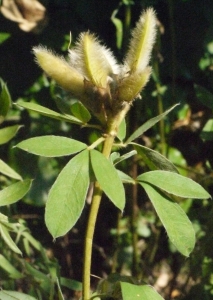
{"x": 96, "y": 200}
{"x": 111, "y": 133}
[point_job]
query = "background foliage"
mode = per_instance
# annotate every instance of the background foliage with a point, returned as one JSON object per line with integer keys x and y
{"x": 182, "y": 73}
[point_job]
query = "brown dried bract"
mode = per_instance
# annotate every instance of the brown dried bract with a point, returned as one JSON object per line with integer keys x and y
{"x": 29, "y": 14}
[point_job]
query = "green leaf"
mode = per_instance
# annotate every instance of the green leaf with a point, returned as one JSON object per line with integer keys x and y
{"x": 7, "y": 133}
{"x": 10, "y": 295}
{"x": 207, "y": 132}
{"x": 125, "y": 156}
{"x": 67, "y": 195}
{"x": 30, "y": 239}
{"x": 14, "y": 192}
{"x": 153, "y": 159}
{"x": 108, "y": 178}
{"x": 204, "y": 96}
{"x": 44, "y": 280}
{"x": 4, "y": 35}
{"x": 174, "y": 219}
{"x": 80, "y": 112}
{"x": 139, "y": 292}
{"x": 51, "y": 146}
{"x": 5, "y": 100}
{"x": 174, "y": 184}
{"x": 36, "y": 274}
{"x": 9, "y": 268}
{"x": 125, "y": 178}
{"x": 119, "y": 28}
{"x": 7, "y": 238}
{"x": 122, "y": 131}
{"x": 8, "y": 171}
{"x": 71, "y": 284}
{"x": 48, "y": 112}
{"x": 60, "y": 294}
{"x": 62, "y": 103}
{"x": 147, "y": 125}
{"x": 114, "y": 156}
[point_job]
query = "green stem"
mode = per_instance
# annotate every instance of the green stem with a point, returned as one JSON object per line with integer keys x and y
{"x": 161, "y": 123}
{"x": 96, "y": 200}
{"x": 111, "y": 133}
{"x": 133, "y": 219}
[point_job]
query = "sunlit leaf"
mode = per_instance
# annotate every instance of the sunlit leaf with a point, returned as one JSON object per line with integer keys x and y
{"x": 139, "y": 292}
{"x": 8, "y": 171}
{"x": 48, "y": 112}
{"x": 51, "y": 146}
{"x": 14, "y": 192}
{"x": 7, "y": 133}
{"x": 108, "y": 178}
{"x": 67, "y": 195}
{"x": 122, "y": 130}
{"x": 174, "y": 184}
{"x": 147, "y": 125}
{"x": 207, "y": 132}
{"x": 174, "y": 219}
{"x": 153, "y": 159}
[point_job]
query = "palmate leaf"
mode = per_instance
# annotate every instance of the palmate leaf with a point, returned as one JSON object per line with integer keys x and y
{"x": 67, "y": 196}
{"x": 108, "y": 178}
{"x": 177, "y": 225}
{"x": 51, "y": 146}
{"x": 174, "y": 184}
{"x": 147, "y": 125}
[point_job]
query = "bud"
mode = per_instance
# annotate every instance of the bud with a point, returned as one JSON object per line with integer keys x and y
{"x": 58, "y": 69}
{"x": 131, "y": 86}
{"x": 94, "y": 61}
{"x": 143, "y": 38}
